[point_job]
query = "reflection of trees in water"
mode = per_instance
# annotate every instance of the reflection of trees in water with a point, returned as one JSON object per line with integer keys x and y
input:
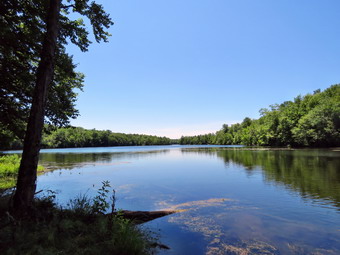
{"x": 313, "y": 173}
{"x": 73, "y": 160}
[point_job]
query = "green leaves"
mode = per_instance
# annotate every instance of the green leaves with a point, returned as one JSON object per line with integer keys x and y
{"x": 310, "y": 120}
{"x": 80, "y": 137}
{"x": 22, "y": 29}
{"x": 75, "y": 30}
{"x": 100, "y": 202}
{"x": 320, "y": 127}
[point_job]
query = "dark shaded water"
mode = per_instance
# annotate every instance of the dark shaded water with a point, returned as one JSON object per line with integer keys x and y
{"x": 238, "y": 201}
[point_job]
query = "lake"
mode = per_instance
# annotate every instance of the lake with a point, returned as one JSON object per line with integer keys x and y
{"x": 236, "y": 200}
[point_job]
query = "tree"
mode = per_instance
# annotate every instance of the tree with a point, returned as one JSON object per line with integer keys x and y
{"x": 22, "y": 31}
{"x": 320, "y": 127}
{"x": 246, "y": 122}
{"x": 28, "y": 22}
{"x": 310, "y": 120}
{"x": 26, "y": 183}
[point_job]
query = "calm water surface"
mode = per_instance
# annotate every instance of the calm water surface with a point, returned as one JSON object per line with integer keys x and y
{"x": 238, "y": 201}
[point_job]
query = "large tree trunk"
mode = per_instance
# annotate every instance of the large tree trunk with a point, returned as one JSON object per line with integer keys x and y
{"x": 26, "y": 183}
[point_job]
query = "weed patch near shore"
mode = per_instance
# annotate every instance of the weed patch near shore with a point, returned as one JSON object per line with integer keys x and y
{"x": 81, "y": 228}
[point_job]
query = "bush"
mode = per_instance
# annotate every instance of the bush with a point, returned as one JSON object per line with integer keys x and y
{"x": 9, "y": 165}
{"x": 9, "y": 168}
{"x": 80, "y": 228}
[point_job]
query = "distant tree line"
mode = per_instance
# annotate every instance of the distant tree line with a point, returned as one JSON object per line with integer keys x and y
{"x": 310, "y": 120}
{"x": 79, "y": 137}
{"x": 73, "y": 137}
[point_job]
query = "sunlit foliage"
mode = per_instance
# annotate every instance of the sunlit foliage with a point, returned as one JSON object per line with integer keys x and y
{"x": 310, "y": 120}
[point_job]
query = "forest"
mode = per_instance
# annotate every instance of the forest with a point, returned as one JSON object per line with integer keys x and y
{"x": 310, "y": 120}
{"x": 75, "y": 137}
{"x": 79, "y": 137}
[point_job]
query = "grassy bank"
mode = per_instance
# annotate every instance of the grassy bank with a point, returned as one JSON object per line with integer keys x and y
{"x": 9, "y": 168}
{"x": 83, "y": 227}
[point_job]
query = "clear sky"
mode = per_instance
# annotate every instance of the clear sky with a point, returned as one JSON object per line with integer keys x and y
{"x": 185, "y": 67}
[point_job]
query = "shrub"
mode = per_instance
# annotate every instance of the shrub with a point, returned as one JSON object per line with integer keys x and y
{"x": 80, "y": 228}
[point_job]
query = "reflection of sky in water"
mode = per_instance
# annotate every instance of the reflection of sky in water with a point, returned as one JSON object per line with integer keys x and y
{"x": 260, "y": 214}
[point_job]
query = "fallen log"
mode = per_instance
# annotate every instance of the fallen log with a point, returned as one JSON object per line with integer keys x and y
{"x": 139, "y": 217}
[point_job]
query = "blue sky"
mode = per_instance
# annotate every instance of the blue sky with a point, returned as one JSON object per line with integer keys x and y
{"x": 186, "y": 67}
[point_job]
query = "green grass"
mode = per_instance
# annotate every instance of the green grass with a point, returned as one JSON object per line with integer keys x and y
{"x": 7, "y": 182}
{"x": 9, "y": 165}
{"x": 9, "y": 168}
{"x": 69, "y": 233}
